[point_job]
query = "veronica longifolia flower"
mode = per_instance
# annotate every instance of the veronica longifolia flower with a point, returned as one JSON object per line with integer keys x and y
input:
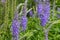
{"x": 43, "y": 12}
{"x": 15, "y": 27}
{"x": 24, "y": 22}
{"x": 24, "y": 18}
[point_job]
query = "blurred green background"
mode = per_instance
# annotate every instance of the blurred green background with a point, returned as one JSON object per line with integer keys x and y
{"x": 33, "y": 31}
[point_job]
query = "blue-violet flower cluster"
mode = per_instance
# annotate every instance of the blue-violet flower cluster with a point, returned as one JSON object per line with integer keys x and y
{"x": 24, "y": 22}
{"x": 43, "y": 10}
{"x": 15, "y": 27}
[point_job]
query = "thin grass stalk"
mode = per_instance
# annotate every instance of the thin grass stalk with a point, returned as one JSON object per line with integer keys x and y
{"x": 13, "y": 7}
{"x": 54, "y": 6}
{"x": 6, "y": 14}
{"x": 6, "y": 17}
{"x": 1, "y": 15}
{"x": 12, "y": 12}
{"x": 45, "y": 33}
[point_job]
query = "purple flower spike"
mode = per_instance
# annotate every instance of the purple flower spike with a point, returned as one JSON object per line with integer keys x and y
{"x": 24, "y": 18}
{"x": 24, "y": 22}
{"x": 39, "y": 9}
{"x": 43, "y": 12}
{"x": 15, "y": 27}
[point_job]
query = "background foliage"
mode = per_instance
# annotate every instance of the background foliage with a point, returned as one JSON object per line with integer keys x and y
{"x": 33, "y": 31}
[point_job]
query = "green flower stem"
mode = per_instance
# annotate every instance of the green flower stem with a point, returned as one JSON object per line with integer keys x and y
{"x": 13, "y": 7}
{"x": 48, "y": 29}
{"x": 6, "y": 13}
